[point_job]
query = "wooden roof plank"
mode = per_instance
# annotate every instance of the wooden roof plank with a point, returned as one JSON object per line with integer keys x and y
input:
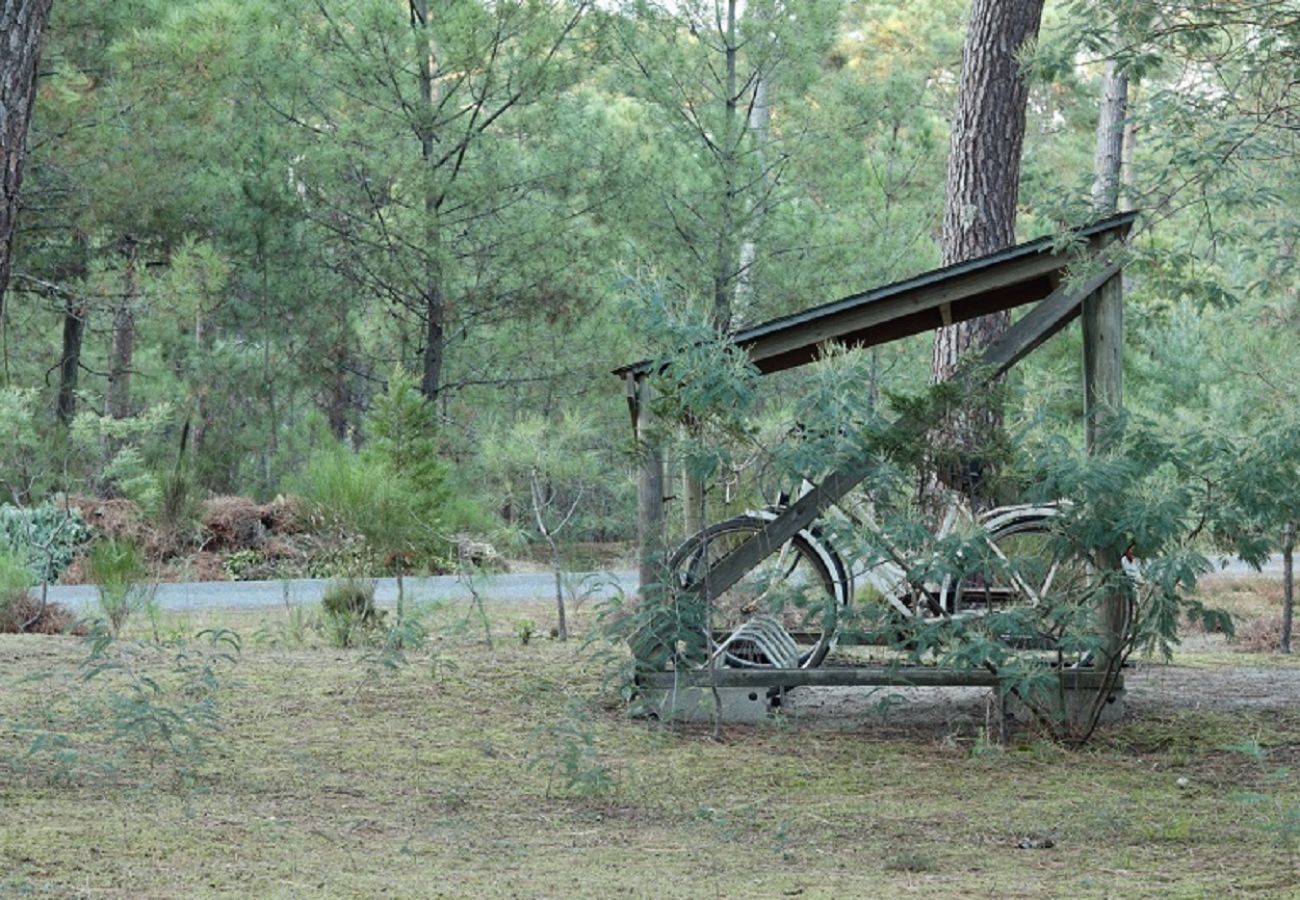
{"x": 914, "y": 305}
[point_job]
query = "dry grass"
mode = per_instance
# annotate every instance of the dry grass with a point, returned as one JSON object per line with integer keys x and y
{"x": 1256, "y": 606}
{"x": 513, "y": 771}
{"x": 25, "y": 613}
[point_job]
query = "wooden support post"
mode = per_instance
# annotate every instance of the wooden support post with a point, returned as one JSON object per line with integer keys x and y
{"x": 1103, "y": 390}
{"x": 650, "y": 490}
{"x": 1103, "y": 363}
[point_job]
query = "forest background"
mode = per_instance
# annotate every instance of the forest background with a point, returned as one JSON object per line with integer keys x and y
{"x": 310, "y": 247}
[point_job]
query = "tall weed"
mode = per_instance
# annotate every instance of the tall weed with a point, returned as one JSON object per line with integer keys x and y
{"x": 118, "y": 570}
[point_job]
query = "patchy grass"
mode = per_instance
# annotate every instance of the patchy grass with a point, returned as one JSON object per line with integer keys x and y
{"x": 514, "y": 771}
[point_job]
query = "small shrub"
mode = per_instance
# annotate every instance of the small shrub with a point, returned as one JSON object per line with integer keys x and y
{"x": 241, "y": 563}
{"x": 45, "y": 536}
{"x": 571, "y": 755}
{"x": 524, "y": 630}
{"x": 117, "y": 568}
{"x": 172, "y": 718}
{"x": 350, "y": 611}
{"x": 13, "y": 592}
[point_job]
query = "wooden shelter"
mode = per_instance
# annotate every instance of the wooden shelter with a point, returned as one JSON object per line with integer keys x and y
{"x": 1059, "y": 280}
{"x": 1033, "y": 273}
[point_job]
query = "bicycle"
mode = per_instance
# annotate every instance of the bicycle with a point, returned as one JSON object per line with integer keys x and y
{"x": 784, "y": 613}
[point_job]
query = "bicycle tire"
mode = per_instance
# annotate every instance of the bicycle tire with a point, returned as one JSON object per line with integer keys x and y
{"x": 1023, "y": 538}
{"x": 804, "y": 583}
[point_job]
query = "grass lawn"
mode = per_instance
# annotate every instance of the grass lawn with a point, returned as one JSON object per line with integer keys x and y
{"x": 469, "y": 771}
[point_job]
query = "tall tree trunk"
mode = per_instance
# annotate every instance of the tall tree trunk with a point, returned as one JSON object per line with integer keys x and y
{"x": 75, "y": 310}
{"x": 1103, "y": 321}
{"x": 983, "y": 186}
{"x": 759, "y": 125}
{"x": 74, "y": 327}
{"x": 728, "y": 252}
{"x": 435, "y": 341}
{"x": 1109, "y": 159}
{"x": 724, "y": 275}
{"x": 117, "y": 402}
{"x": 202, "y": 402}
{"x": 22, "y": 24}
{"x": 1288, "y": 585}
{"x": 1128, "y": 149}
{"x": 435, "y": 311}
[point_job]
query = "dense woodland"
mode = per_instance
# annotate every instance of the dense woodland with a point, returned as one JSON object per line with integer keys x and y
{"x": 258, "y": 244}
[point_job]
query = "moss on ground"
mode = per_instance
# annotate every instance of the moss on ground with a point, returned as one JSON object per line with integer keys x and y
{"x": 514, "y": 771}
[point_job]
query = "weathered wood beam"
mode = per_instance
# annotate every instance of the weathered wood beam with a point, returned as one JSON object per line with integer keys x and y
{"x": 905, "y": 305}
{"x": 1103, "y": 392}
{"x": 1048, "y": 317}
{"x": 650, "y": 488}
{"x": 855, "y": 676}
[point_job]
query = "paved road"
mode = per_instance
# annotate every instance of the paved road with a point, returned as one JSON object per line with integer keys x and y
{"x": 255, "y": 594}
{"x": 510, "y": 587}
{"x": 1230, "y": 565}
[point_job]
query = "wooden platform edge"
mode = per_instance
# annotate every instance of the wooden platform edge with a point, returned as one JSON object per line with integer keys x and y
{"x": 858, "y": 676}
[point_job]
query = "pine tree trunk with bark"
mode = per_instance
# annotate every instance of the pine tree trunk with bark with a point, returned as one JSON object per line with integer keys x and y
{"x": 75, "y": 312}
{"x": 74, "y": 327}
{"x": 435, "y": 310}
{"x": 22, "y": 25}
{"x": 981, "y": 196}
{"x": 117, "y": 402}
{"x": 1109, "y": 159}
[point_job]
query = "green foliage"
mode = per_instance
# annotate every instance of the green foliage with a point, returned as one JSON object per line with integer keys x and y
{"x": 524, "y": 631}
{"x": 393, "y": 643}
{"x": 396, "y": 492}
{"x": 350, "y": 615}
{"x": 118, "y": 570}
{"x": 15, "y": 578}
{"x": 568, "y": 753}
{"x": 237, "y": 564}
{"x": 46, "y": 537}
{"x": 402, "y": 435}
{"x": 361, "y": 494}
{"x": 173, "y": 719}
{"x": 120, "y": 456}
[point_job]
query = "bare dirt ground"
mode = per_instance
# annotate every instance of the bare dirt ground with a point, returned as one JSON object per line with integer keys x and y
{"x": 1218, "y": 688}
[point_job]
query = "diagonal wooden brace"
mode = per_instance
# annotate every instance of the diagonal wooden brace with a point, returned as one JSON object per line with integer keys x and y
{"x": 1048, "y": 316}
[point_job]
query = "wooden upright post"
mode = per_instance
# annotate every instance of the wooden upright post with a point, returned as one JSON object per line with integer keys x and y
{"x": 650, "y": 491}
{"x": 1103, "y": 388}
{"x": 1103, "y": 363}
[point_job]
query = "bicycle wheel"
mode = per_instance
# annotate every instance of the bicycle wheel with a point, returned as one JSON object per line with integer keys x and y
{"x": 1027, "y": 564}
{"x": 803, "y": 585}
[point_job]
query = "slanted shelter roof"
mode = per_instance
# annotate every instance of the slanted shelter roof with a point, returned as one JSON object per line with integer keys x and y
{"x": 1016, "y": 276}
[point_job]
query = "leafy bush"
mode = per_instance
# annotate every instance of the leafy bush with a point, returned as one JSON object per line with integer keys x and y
{"x": 45, "y": 537}
{"x": 238, "y": 564}
{"x": 169, "y": 718}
